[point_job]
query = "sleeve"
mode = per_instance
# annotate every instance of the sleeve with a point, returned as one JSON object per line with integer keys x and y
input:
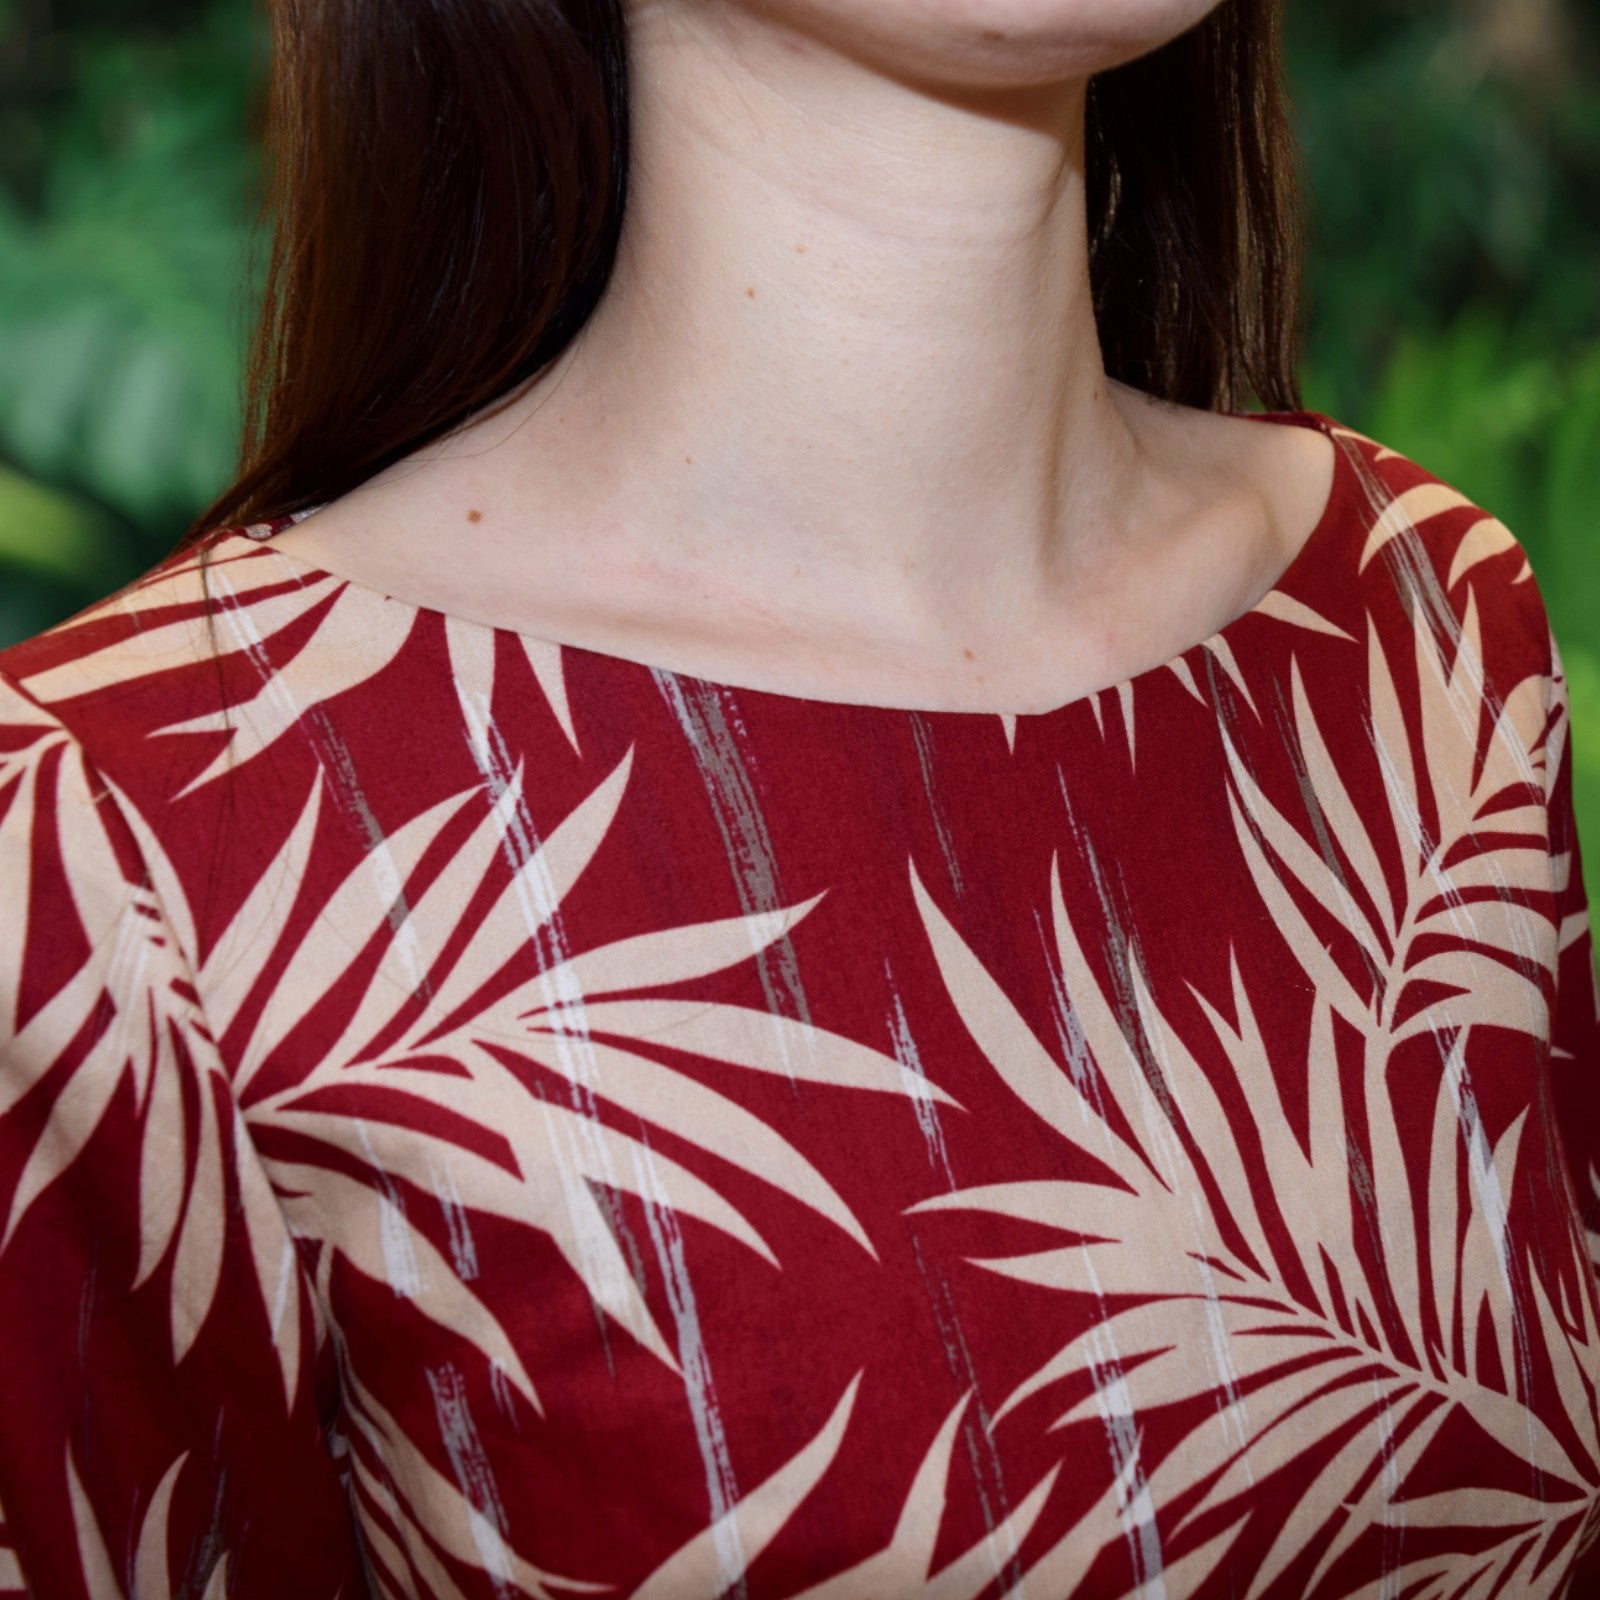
{"x": 1575, "y": 1018}
{"x": 168, "y": 1394}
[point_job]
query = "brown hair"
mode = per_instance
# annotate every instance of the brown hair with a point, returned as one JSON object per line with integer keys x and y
{"x": 445, "y": 182}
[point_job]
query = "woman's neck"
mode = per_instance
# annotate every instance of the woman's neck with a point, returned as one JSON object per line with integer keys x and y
{"x": 843, "y": 396}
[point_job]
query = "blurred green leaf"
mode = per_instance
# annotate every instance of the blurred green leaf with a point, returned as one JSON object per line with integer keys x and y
{"x": 48, "y": 533}
{"x": 125, "y": 268}
{"x": 1573, "y": 501}
{"x": 1583, "y": 693}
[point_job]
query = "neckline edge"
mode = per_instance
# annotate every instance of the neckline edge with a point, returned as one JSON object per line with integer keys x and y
{"x": 260, "y": 535}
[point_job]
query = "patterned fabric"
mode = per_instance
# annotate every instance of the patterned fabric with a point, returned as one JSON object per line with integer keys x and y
{"x": 482, "y": 1117}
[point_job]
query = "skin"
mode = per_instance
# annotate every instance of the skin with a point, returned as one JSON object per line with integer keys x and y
{"x": 840, "y": 425}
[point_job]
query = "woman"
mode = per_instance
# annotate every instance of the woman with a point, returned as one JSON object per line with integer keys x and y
{"x": 773, "y": 910}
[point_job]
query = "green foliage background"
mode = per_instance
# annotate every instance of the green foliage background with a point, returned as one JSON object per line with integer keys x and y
{"x": 1452, "y": 150}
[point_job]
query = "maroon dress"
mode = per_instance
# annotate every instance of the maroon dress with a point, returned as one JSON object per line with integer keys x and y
{"x": 482, "y": 1117}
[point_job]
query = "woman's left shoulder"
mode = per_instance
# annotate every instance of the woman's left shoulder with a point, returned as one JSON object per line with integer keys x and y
{"x": 1457, "y": 569}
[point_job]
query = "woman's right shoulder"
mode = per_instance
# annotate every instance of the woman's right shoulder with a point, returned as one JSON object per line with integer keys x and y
{"x": 187, "y": 649}
{"x": 107, "y": 716}
{"x": 108, "y": 719}
{"x": 89, "y": 668}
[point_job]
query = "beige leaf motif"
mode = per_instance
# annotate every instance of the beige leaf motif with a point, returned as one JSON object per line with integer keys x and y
{"x": 468, "y": 1056}
{"x": 152, "y": 1571}
{"x": 1301, "y": 1350}
{"x": 429, "y": 1510}
{"x": 349, "y": 646}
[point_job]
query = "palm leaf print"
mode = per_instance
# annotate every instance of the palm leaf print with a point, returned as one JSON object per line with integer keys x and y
{"x": 481, "y": 1117}
{"x": 122, "y": 948}
{"x": 424, "y": 1031}
{"x": 414, "y": 1511}
{"x": 715, "y": 1560}
{"x": 1369, "y": 1348}
{"x": 11, "y": 1587}
{"x": 151, "y": 1573}
{"x": 462, "y": 1053}
{"x": 133, "y": 946}
{"x": 312, "y": 640}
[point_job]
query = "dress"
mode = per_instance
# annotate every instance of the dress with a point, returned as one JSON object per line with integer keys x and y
{"x": 482, "y": 1117}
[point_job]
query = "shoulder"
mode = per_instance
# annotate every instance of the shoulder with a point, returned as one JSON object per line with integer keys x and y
{"x": 1413, "y": 531}
{"x": 134, "y": 653}
{"x": 109, "y": 715}
{"x": 85, "y": 915}
{"x": 157, "y": 679}
{"x": 1455, "y": 606}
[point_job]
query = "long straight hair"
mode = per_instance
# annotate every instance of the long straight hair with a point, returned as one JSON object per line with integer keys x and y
{"x": 444, "y": 182}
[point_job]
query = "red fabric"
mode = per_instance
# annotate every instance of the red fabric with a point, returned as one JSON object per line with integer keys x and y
{"x": 482, "y": 1117}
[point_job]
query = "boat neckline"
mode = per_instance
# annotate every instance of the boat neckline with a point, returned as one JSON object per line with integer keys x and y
{"x": 260, "y": 536}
